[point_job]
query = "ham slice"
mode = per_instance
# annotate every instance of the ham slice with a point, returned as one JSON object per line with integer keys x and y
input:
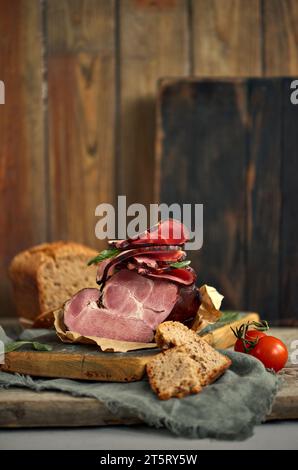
{"x": 107, "y": 268}
{"x": 181, "y": 276}
{"x": 131, "y": 307}
{"x": 166, "y": 232}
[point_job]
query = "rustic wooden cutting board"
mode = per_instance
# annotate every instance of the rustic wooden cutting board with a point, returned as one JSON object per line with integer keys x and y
{"x": 86, "y": 362}
{"x": 231, "y": 144}
{"x": 25, "y": 408}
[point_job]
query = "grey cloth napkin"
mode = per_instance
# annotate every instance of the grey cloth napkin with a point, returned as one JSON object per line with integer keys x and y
{"x": 228, "y": 409}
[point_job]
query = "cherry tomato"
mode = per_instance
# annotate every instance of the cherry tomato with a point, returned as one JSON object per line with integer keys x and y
{"x": 271, "y": 351}
{"x": 251, "y": 335}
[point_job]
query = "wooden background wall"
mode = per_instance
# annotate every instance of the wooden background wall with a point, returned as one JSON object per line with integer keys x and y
{"x": 78, "y": 126}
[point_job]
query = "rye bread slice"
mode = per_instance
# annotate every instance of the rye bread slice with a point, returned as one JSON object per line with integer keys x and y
{"x": 173, "y": 333}
{"x": 212, "y": 363}
{"x": 174, "y": 374}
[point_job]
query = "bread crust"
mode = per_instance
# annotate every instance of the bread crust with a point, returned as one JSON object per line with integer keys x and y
{"x": 26, "y": 272}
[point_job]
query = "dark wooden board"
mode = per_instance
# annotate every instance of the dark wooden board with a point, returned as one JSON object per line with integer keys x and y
{"x": 263, "y": 195}
{"x": 289, "y": 216}
{"x": 202, "y": 160}
{"x": 231, "y": 144}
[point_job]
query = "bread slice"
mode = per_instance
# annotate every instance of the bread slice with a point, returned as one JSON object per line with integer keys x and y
{"x": 173, "y": 374}
{"x": 173, "y": 333}
{"x": 212, "y": 363}
{"x": 45, "y": 276}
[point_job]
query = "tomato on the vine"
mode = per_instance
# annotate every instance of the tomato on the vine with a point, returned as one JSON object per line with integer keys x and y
{"x": 250, "y": 336}
{"x": 271, "y": 351}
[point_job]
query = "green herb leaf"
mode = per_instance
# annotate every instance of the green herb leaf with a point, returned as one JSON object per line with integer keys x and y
{"x": 13, "y": 345}
{"x": 229, "y": 316}
{"x": 105, "y": 254}
{"x": 180, "y": 264}
{"x": 225, "y": 318}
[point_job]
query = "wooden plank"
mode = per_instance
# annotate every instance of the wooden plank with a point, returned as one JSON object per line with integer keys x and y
{"x": 25, "y": 408}
{"x": 227, "y": 38}
{"x": 153, "y": 43}
{"x": 100, "y": 367}
{"x": 81, "y": 89}
{"x": 85, "y": 362}
{"x": 202, "y": 159}
{"x": 280, "y": 37}
{"x": 22, "y": 169}
{"x": 289, "y": 219}
{"x": 264, "y": 197}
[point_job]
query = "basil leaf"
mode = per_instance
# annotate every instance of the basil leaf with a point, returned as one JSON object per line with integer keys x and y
{"x": 105, "y": 254}
{"x": 180, "y": 264}
{"x": 13, "y": 345}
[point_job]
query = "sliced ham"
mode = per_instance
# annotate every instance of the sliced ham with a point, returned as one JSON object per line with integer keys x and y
{"x": 185, "y": 276}
{"x": 166, "y": 232}
{"x": 107, "y": 268}
{"x": 131, "y": 307}
{"x": 139, "y": 288}
{"x": 104, "y": 323}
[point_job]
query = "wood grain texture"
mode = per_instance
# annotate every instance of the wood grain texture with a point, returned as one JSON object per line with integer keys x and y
{"x": 26, "y": 408}
{"x": 81, "y": 89}
{"x": 202, "y": 155}
{"x": 289, "y": 216}
{"x": 23, "y": 192}
{"x": 234, "y": 150}
{"x": 153, "y": 43}
{"x": 227, "y": 38}
{"x": 280, "y": 37}
{"x": 85, "y": 362}
{"x": 265, "y": 103}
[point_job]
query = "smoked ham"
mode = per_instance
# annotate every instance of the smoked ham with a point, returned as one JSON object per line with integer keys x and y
{"x": 143, "y": 281}
{"x": 129, "y": 308}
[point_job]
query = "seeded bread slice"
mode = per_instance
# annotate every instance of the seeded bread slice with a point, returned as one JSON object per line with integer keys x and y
{"x": 174, "y": 374}
{"x": 45, "y": 276}
{"x": 173, "y": 333}
{"x": 212, "y": 363}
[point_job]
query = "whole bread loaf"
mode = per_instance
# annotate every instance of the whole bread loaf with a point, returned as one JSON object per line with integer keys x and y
{"x": 45, "y": 276}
